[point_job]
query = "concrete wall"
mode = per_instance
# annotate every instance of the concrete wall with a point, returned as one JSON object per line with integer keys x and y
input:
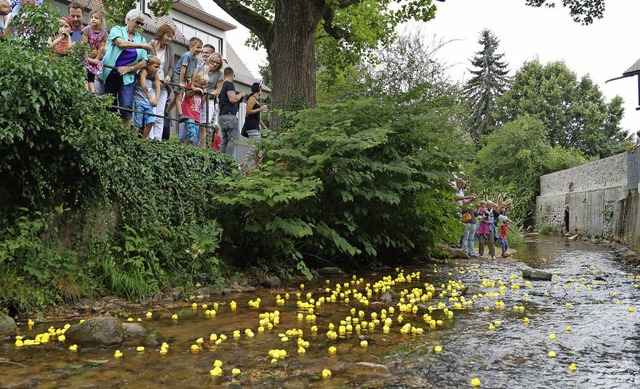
{"x": 602, "y": 197}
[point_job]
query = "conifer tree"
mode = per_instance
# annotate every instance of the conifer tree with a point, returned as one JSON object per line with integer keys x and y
{"x": 490, "y": 79}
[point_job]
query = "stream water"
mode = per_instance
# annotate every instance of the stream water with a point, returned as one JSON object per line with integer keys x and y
{"x": 591, "y": 292}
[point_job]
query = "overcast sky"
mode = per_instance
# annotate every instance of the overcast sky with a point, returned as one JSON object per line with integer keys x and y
{"x": 603, "y": 50}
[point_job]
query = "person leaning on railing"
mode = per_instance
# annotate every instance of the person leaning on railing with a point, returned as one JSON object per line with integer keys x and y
{"x": 161, "y": 48}
{"x": 127, "y": 52}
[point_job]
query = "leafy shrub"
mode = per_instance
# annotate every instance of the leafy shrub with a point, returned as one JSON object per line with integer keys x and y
{"x": 359, "y": 180}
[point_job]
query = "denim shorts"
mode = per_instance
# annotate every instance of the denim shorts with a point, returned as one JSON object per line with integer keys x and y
{"x": 192, "y": 129}
{"x": 143, "y": 118}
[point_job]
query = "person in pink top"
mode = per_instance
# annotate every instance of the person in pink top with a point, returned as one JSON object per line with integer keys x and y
{"x": 484, "y": 229}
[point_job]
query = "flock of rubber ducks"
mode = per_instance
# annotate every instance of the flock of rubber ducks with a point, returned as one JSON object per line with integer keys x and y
{"x": 401, "y": 317}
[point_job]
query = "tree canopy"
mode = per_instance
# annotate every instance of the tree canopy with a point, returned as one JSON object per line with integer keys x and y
{"x": 490, "y": 79}
{"x": 573, "y": 110}
{"x": 516, "y": 154}
{"x": 582, "y": 11}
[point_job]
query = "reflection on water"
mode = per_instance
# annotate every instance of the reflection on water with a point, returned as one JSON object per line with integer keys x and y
{"x": 590, "y": 292}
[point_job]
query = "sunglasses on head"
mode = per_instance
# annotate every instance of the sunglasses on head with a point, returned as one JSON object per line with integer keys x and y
{"x": 139, "y": 23}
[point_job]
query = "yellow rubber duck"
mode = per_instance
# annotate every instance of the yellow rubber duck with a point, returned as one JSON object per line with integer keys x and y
{"x": 326, "y": 374}
{"x": 117, "y": 354}
{"x": 73, "y": 347}
{"x": 476, "y": 382}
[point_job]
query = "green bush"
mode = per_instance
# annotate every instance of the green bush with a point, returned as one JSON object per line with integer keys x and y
{"x": 363, "y": 180}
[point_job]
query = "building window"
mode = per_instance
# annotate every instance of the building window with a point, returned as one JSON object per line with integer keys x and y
{"x": 190, "y": 32}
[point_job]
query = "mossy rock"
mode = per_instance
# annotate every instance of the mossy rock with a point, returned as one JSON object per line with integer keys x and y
{"x": 142, "y": 334}
{"x": 96, "y": 331}
{"x": 8, "y": 326}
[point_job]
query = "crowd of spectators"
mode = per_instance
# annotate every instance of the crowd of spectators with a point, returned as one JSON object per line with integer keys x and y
{"x": 485, "y": 222}
{"x": 147, "y": 83}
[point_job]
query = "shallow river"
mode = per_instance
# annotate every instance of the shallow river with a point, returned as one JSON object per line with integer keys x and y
{"x": 502, "y": 339}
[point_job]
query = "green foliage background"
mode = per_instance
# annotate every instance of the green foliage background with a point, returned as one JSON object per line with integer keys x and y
{"x": 351, "y": 180}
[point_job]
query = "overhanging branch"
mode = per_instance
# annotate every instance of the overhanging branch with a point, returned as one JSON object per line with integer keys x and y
{"x": 331, "y": 29}
{"x": 258, "y": 24}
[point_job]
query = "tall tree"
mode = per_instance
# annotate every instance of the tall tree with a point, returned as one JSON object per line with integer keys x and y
{"x": 289, "y": 29}
{"x": 490, "y": 79}
{"x": 408, "y": 61}
{"x": 573, "y": 110}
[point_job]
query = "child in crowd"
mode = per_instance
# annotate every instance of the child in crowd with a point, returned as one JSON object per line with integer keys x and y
{"x": 145, "y": 95}
{"x": 191, "y": 105}
{"x": 216, "y": 138}
{"x": 635, "y": 147}
{"x": 502, "y": 236}
{"x": 6, "y": 16}
{"x": 484, "y": 230}
{"x": 183, "y": 73}
{"x": 96, "y": 36}
{"x": 62, "y": 42}
{"x": 482, "y": 208}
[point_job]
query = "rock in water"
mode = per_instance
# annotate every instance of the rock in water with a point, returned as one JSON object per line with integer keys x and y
{"x": 536, "y": 275}
{"x": 96, "y": 331}
{"x": 8, "y": 326}
{"x": 331, "y": 271}
{"x": 453, "y": 252}
{"x": 367, "y": 368}
{"x": 272, "y": 282}
{"x": 143, "y": 334}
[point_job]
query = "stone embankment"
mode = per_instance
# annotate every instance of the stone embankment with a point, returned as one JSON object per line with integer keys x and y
{"x": 601, "y": 197}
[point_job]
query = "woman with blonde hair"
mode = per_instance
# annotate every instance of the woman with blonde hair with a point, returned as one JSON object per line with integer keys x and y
{"x": 213, "y": 69}
{"x": 161, "y": 48}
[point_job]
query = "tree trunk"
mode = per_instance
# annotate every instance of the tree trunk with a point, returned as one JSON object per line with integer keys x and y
{"x": 292, "y": 54}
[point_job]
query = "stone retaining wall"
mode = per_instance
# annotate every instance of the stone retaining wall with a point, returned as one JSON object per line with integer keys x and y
{"x": 602, "y": 198}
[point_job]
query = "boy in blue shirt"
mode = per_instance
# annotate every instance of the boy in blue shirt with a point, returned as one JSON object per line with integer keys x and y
{"x": 145, "y": 96}
{"x": 183, "y": 72}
